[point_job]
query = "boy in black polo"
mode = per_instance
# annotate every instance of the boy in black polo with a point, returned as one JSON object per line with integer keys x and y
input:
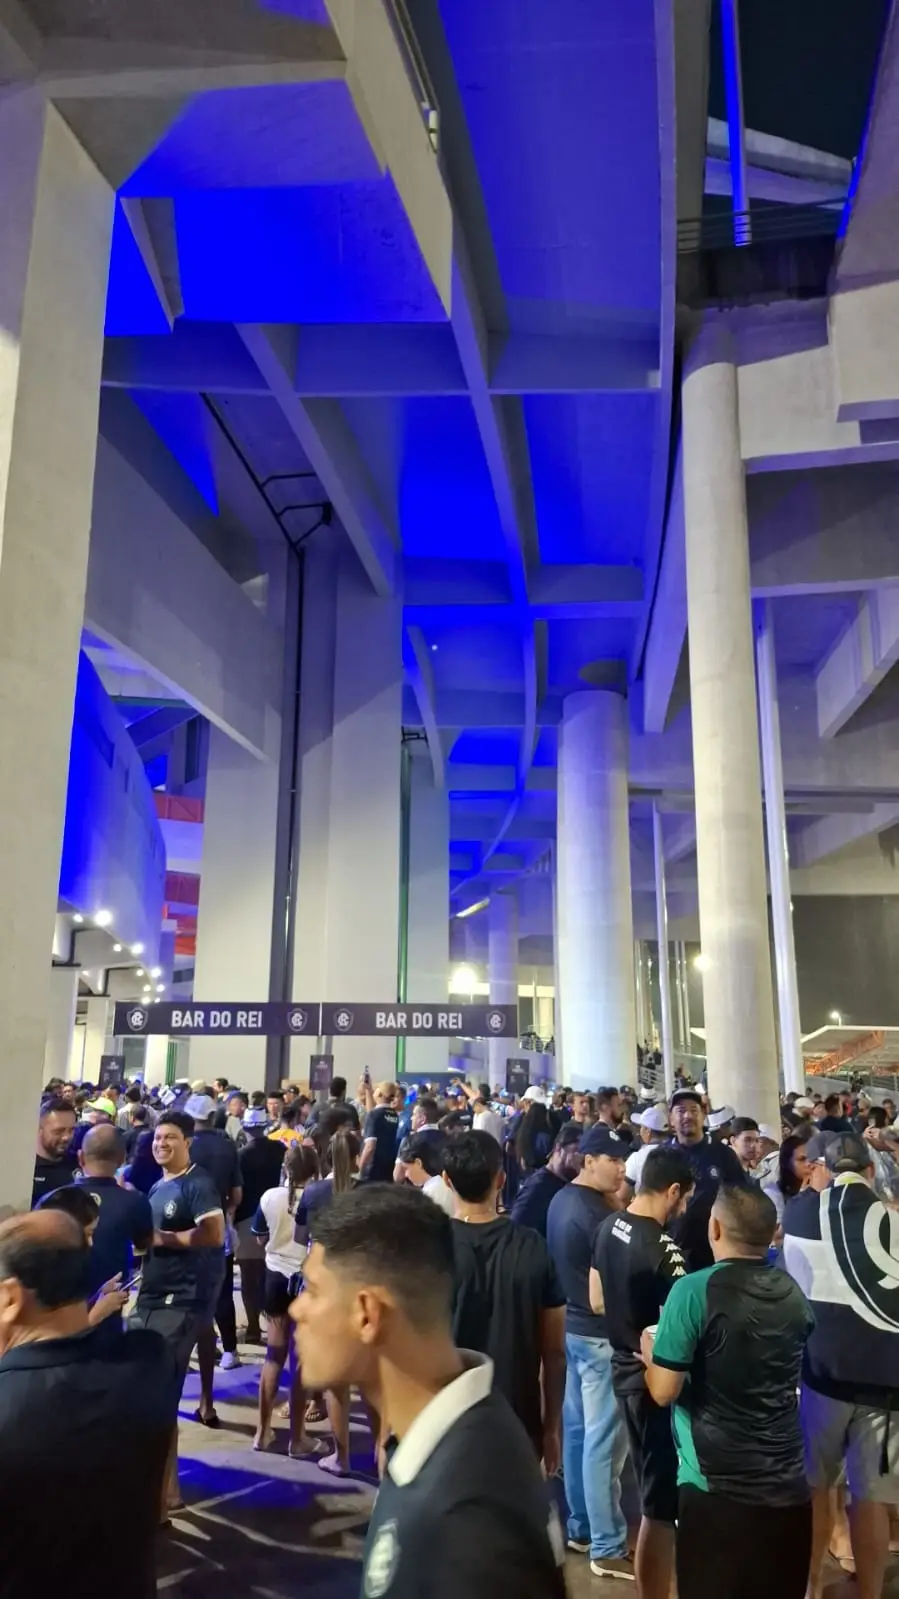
{"x": 463, "y": 1509}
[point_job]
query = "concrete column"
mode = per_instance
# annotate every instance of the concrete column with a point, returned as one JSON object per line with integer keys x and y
{"x": 596, "y": 930}
{"x": 347, "y": 933}
{"x": 685, "y": 987}
{"x": 557, "y": 1007}
{"x": 55, "y": 229}
{"x": 778, "y": 856}
{"x": 98, "y": 1039}
{"x": 667, "y": 1039}
{"x": 156, "y": 1060}
{"x": 427, "y": 942}
{"x": 545, "y": 1020}
{"x": 639, "y": 998}
{"x": 733, "y": 910}
{"x": 502, "y": 973}
{"x": 237, "y": 897}
{"x": 60, "y": 1020}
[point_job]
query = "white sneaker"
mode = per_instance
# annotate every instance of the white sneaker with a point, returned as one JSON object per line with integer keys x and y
{"x": 229, "y": 1361}
{"x": 613, "y": 1566}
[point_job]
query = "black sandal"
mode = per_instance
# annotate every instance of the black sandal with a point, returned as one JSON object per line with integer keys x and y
{"x": 211, "y": 1420}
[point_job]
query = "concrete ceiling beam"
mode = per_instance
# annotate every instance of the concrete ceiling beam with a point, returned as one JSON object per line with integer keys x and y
{"x": 859, "y": 660}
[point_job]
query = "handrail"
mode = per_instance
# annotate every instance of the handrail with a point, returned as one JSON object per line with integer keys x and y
{"x": 763, "y": 224}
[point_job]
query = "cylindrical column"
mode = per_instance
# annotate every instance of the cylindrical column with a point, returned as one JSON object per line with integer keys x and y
{"x": 557, "y": 1006}
{"x": 778, "y": 856}
{"x": 658, "y": 844}
{"x": 733, "y": 909}
{"x": 60, "y": 1020}
{"x": 679, "y": 997}
{"x": 638, "y": 992}
{"x": 427, "y": 959}
{"x": 502, "y": 971}
{"x": 595, "y": 917}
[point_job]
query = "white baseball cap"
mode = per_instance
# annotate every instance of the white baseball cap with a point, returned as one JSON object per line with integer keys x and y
{"x": 200, "y": 1107}
{"x": 535, "y": 1094}
{"x": 769, "y": 1132}
{"x": 721, "y": 1117}
{"x": 655, "y": 1118}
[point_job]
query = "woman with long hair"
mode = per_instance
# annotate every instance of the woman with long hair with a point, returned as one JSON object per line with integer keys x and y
{"x": 142, "y": 1171}
{"x": 794, "y": 1171}
{"x": 275, "y": 1225}
{"x": 534, "y": 1139}
{"x": 340, "y": 1165}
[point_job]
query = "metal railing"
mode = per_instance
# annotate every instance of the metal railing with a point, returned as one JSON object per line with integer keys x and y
{"x": 763, "y": 224}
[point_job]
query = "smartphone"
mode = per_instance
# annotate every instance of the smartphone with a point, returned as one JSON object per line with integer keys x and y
{"x": 132, "y": 1282}
{"x": 366, "y": 1075}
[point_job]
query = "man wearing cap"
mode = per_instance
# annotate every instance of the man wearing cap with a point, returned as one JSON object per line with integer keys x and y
{"x": 712, "y": 1164}
{"x": 216, "y": 1153}
{"x": 594, "y": 1443}
{"x": 655, "y": 1129}
{"x": 261, "y": 1161}
{"x": 839, "y": 1246}
{"x": 537, "y": 1192}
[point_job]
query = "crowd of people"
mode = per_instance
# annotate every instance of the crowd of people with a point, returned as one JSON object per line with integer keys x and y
{"x": 534, "y": 1297}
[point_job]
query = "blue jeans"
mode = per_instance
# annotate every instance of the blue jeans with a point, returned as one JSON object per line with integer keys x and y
{"x": 594, "y": 1448}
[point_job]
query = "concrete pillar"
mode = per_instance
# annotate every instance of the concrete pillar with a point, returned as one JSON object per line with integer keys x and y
{"x": 667, "y": 1035}
{"x": 237, "y": 899}
{"x": 557, "y": 1006}
{"x": 55, "y": 229}
{"x": 778, "y": 856}
{"x": 733, "y": 910}
{"x": 502, "y": 973}
{"x": 545, "y": 1021}
{"x": 347, "y": 931}
{"x": 98, "y": 1037}
{"x": 60, "y": 1020}
{"x": 427, "y": 937}
{"x": 156, "y": 1060}
{"x": 639, "y": 1001}
{"x": 595, "y": 917}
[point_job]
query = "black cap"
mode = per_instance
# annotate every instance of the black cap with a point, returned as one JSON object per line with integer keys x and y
{"x": 602, "y": 1140}
{"x": 847, "y": 1152}
{"x": 685, "y": 1093}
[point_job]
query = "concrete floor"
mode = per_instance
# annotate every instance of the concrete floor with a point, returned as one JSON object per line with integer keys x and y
{"x": 265, "y": 1526}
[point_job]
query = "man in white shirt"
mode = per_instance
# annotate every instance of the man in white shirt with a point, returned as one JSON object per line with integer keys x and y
{"x": 486, "y": 1119}
{"x": 423, "y": 1166}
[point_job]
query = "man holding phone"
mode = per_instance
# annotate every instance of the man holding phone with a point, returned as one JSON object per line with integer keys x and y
{"x": 125, "y": 1227}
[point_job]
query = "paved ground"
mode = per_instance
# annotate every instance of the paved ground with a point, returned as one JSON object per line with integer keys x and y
{"x": 265, "y": 1526}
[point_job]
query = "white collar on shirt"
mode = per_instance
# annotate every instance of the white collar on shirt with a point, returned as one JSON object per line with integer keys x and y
{"x": 434, "y": 1422}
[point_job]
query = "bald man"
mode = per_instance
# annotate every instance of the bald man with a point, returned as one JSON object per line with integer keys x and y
{"x": 125, "y": 1228}
{"x": 74, "y": 1417}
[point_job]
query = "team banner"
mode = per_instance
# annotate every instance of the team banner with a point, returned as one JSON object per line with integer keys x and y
{"x": 321, "y": 1071}
{"x": 194, "y": 1020}
{"x": 191, "y": 1019}
{"x": 518, "y": 1075}
{"x": 395, "y": 1020}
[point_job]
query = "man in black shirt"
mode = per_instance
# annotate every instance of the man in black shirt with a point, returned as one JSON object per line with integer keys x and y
{"x": 637, "y": 1262}
{"x": 379, "y": 1137}
{"x": 507, "y": 1300}
{"x": 727, "y": 1355}
{"x": 711, "y": 1164}
{"x": 216, "y": 1152}
{"x": 260, "y": 1163}
{"x": 74, "y": 1414}
{"x": 125, "y": 1226}
{"x": 462, "y": 1508}
{"x": 54, "y": 1166}
{"x": 593, "y": 1435}
{"x": 537, "y": 1192}
{"x": 833, "y": 1120}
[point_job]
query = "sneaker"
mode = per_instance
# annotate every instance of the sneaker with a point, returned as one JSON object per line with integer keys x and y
{"x": 581, "y": 1546}
{"x": 613, "y": 1566}
{"x": 229, "y": 1360}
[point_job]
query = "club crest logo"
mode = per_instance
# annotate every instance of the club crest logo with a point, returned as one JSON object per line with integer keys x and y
{"x": 383, "y": 1559}
{"x": 496, "y": 1021}
{"x": 137, "y": 1018}
{"x": 297, "y": 1019}
{"x": 343, "y": 1020}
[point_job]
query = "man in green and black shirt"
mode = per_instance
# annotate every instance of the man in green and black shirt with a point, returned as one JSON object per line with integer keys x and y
{"x": 727, "y": 1355}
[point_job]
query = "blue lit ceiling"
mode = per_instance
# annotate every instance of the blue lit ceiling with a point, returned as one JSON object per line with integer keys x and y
{"x": 279, "y": 212}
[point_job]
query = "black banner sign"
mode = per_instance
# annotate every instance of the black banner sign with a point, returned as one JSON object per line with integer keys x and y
{"x": 195, "y": 1020}
{"x": 321, "y": 1071}
{"x": 395, "y": 1020}
{"x": 518, "y": 1075}
{"x": 112, "y": 1070}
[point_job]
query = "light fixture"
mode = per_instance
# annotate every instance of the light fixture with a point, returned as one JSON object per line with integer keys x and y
{"x": 469, "y": 910}
{"x": 701, "y": 962}
{"x": 78, "y": 917}
{"x": 464, "y": 980}
{"x": 140, "y": 972}
{"x": 837, "y": 1016}
{"x": 103, "y": 918}
{"x": 433, "y": 649}
{"x": 116, "y": 949}
{"x": 160, "y": 988}
{"x": 137, "y": 949}
{"x": 147, "y": 989}
{"x": 156, "y": 972}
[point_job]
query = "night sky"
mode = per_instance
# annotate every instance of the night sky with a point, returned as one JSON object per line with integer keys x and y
{"x": 808, "y": 68}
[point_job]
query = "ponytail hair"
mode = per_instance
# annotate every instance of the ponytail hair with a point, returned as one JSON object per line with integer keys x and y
{"x": 344, "y": 1151}
{"x": 300, "y": 1167}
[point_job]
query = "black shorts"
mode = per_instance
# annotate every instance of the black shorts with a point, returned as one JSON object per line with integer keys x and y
{"x": 651, "y": 1443}
{"x": 277, "y": 1295}
{"x": 177, "y": 1325}
{"x": 725, "y": 1549}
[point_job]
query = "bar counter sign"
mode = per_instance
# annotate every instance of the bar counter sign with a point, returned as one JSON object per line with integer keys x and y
{"x": 395, "y": 1020}
{"x": 192, "y": 1019}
